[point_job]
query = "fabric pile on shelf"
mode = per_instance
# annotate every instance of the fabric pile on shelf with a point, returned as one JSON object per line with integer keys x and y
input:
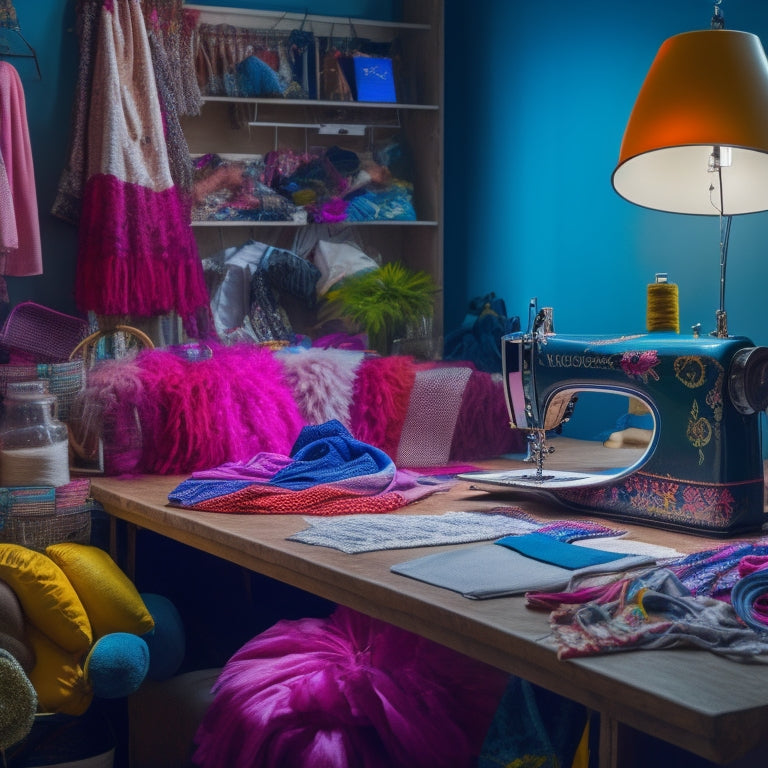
{"x": 321, "y": 185}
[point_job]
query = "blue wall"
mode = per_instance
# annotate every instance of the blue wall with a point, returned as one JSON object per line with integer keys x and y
{"x": 537, "y": 96}
{"x": 542, "y": 92}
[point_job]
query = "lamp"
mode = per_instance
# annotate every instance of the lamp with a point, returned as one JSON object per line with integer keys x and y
{"x": 697, "y": 139}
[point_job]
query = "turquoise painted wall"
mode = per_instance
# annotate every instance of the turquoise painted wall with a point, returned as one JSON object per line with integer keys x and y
{"x": 537, "y": 98}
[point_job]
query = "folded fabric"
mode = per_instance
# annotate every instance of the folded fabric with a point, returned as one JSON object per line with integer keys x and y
{"x": 368, "y": 533}
{"x": 546, "y": 549}
{"x": 486, "y": 571}
{"x": 329, "y": 473}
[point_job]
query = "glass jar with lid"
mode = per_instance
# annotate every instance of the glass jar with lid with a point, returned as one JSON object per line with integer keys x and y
{"x": 34, "y": 444}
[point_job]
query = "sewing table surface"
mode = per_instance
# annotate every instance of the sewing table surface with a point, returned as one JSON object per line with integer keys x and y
{"x": 711, "y": 706}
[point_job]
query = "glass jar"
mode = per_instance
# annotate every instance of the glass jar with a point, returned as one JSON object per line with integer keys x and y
{"x": 34, "y": 444}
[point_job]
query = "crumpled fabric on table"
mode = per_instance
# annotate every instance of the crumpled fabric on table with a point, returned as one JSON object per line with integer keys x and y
{"x": 648, "y": 611}
{"x": 330, "y": 473}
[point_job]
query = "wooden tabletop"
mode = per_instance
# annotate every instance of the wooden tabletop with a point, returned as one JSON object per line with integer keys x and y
{"x": 708, "y": 705}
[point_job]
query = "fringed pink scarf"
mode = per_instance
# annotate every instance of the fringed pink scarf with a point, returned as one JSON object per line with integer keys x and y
{"x": 348, "y": 690}
{"x": 137, "y": 255}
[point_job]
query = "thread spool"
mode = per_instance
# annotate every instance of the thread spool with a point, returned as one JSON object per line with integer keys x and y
{"x": 662, "y": 308}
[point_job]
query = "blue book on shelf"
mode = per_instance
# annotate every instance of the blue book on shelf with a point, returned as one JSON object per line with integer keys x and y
{"x": 374, "y": 79}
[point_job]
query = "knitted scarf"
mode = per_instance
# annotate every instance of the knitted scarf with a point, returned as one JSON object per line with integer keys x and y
{"x": 137, "y": 255}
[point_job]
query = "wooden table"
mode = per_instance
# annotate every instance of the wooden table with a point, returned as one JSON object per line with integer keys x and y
{"x": 713, "y": 707}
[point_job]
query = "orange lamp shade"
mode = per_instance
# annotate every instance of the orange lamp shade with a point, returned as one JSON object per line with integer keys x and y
{"x": 704, "y": 90}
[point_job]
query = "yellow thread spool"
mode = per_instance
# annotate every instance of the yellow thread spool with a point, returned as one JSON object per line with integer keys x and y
{"x": 662, "y": 309}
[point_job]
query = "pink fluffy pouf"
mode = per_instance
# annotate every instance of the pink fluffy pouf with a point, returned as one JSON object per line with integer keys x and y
{"x": 199, "y": 414}
{"x": 347, "y": 691}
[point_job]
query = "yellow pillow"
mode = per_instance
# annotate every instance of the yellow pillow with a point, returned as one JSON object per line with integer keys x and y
{"x": 47, "y": 598}
{"x": 111, "y": 600}
{"x": 58, "y": 677}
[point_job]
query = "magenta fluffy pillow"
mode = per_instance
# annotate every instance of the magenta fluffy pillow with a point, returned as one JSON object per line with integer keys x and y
{"x": 347, "y": 690}
{"x": 199, "y": 414}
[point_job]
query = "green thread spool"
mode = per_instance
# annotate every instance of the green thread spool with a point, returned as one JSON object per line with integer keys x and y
{"x": 662, "y": 309}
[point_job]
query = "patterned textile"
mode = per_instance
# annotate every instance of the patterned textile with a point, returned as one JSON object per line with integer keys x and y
{"x": 20, "y": 249}
{"x": 331, "y": 474}
{"x": 652, "y": 610}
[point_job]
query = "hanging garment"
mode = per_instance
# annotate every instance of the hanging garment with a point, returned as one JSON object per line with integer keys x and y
{"x": 137, "y": 255}
{"x": 20, "y": 249}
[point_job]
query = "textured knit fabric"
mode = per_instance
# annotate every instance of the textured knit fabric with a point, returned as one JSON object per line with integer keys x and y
{"x": 20, "y": 249}
{"x": 368, "y": 533}
{"x": 137, "y": 255}
{"x": 432, "y": 414}
{"x": 348, "y": 690}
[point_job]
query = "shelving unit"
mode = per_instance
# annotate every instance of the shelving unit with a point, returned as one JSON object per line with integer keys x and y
{"x": 273, "y": 123}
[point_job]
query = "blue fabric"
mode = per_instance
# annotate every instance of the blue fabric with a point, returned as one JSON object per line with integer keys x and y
{"x": 548, "y": 550}
{"x": 327, "y": 453}
{"x": 257, "y": 78}
{"x": 745, "y": 593}
{"x": 192, "y": 491}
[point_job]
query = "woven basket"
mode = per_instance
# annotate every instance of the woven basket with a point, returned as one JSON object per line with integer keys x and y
{"x": 32, "y": 517}
{"x": 65, "y": 380}
{"x": 43, "y": 334}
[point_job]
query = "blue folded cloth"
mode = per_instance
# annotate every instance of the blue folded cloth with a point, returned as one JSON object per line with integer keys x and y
{"x": 549, "y": 550}
{"x": 327, "y": 453}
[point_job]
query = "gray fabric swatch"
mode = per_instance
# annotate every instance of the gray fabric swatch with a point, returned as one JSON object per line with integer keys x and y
{"x": 487, "y": 570}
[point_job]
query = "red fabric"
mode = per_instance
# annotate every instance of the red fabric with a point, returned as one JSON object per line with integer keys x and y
{"x": 347, "y": 691}
{"x": 380, "y": 401}
{"x": 324, "y": 500}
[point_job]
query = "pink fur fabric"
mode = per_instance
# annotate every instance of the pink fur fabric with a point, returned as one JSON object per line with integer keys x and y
{"x": 483, "y": 430}
{"x": 200, "y": 414}
{"x": 380, "y": 401}
{"x": 322, "y": 382}
{"x": 347, "y": 691}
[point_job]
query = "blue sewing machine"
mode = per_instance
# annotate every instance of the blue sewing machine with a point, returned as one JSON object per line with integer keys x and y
{"x": 698, "y": 466}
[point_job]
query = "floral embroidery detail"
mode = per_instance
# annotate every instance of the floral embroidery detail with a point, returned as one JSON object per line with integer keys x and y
{"x": 640, "y": 365}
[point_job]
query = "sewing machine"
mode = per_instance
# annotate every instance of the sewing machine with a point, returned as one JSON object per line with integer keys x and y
{"x": 699, "y": 467}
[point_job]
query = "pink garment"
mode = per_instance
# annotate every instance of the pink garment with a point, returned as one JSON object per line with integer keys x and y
{"x": 137, "y": 255}
{"x": 348, "y": 691}
{"x": 21, "y": 252}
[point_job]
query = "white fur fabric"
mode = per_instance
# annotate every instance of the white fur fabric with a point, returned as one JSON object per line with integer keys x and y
{"x": 322, "y": 381}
